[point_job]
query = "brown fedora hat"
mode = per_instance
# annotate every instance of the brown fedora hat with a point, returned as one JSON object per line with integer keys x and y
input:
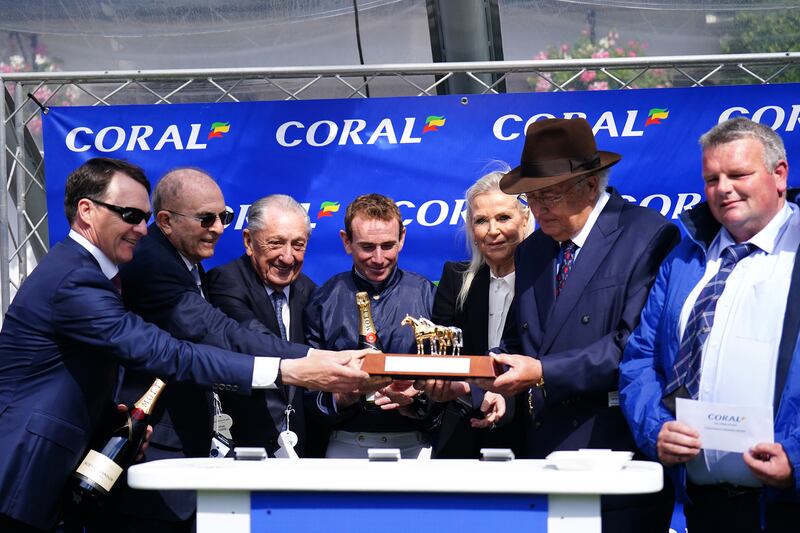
{"x": 556, "y": 149}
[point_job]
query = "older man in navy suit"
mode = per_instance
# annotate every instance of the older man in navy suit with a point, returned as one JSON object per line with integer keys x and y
{"x": 582, "y": 279}
{"x": 266, "y": 284}
{"x": 65, "y": 334}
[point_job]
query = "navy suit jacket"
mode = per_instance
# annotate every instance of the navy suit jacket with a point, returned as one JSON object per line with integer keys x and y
{"x": 238, "y": 291}
{"x": 579, "y": 336}
{"x": 158, "y": 286}
{"x": 62, "y": 338}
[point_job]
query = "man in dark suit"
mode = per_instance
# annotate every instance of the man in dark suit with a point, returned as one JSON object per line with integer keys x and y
{"x": 166, "y": 288}
{"x": 266, "y": 285}
{"x": 582, "y": 279}
{"x": 65, "y": 334}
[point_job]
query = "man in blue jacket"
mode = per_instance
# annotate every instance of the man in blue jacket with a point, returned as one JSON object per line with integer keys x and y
{"x": 373, "y": 236}
{"x": 719, "y": 327}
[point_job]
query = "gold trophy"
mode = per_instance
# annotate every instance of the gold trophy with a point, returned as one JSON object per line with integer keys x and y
{"x": 443, "y": 360}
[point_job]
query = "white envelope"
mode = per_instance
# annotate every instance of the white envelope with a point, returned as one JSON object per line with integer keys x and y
{"x": 727, "y": 427}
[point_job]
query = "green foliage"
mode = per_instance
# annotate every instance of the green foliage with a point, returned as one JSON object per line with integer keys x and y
{"x": 763, "y": 32}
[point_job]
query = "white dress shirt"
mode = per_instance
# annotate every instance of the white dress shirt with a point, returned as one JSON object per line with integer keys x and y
{"x": 501, "y": 292}
{"x": 580, "y": 237}
{"x": 740, "y": 354}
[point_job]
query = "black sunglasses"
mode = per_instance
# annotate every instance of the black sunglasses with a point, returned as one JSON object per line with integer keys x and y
{"x": 131, "y": 215}
{"x": 206, "y": 221}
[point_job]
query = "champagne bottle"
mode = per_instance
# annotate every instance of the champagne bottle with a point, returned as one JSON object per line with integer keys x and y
{"x": 367, "y": 337}
{"x": 99, "y": 470}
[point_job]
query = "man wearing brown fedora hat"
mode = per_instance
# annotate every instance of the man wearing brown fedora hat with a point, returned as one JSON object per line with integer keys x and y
{"x": 582, "y": 280}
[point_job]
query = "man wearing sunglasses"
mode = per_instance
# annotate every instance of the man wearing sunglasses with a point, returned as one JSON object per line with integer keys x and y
{"x": 164, "y": 284}
{"x": 66, "y": 333}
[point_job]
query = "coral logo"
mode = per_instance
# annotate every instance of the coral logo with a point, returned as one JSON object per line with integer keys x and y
{"x": 432, "y": 123}
{"x": 218, "y": 129}
{"x": 656, "y": 115}
{"x": 327, "y": 209}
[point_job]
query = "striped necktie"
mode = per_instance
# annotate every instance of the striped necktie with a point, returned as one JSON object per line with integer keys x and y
{"x": 277, "y": 302}
{"x": 686, "y": 370}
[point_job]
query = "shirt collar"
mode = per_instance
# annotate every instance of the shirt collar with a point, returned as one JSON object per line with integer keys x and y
{"x": 580, "y": 238}
{"x": 286, "y": 290}
{"x": 106, "y": 265}
{"x": 189, "y": 265}
{"x": 766, "y": 239}
{"x": 508, "y": 278}
{"x": 370, "y": 286}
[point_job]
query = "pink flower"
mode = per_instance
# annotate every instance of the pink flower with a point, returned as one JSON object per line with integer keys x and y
{"x": 598, "y": 86}
{"x": 541, "y": 55}
{"x": 564, "y": 48}
{"x": 600, "y": 54}
{"x": 588, "y": 76}
{"x": 542, "y": 85}
{"x": 619, "y": 51}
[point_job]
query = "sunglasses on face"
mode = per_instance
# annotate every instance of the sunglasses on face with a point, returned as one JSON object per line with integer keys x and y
{"x": 130, "y": 215}
{"x": 206, "y": 221}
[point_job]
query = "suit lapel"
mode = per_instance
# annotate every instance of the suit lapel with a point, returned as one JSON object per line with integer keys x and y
{"x": 544, "y": 285}
{"x": 263, "y": 306}
{"x": 598, "y": 245}
{"x": 477, "y": 305}
{"x": 296, "y": 300}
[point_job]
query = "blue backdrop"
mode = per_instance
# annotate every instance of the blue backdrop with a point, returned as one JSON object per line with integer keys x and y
{"x": 423, "y": 152}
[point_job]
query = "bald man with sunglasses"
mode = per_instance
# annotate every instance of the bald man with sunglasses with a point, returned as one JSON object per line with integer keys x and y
{"x": 164, "y": 283}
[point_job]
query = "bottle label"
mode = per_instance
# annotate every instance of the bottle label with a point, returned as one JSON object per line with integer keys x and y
{"x": 147, "y": 401}
{"x": 100, "y": 469}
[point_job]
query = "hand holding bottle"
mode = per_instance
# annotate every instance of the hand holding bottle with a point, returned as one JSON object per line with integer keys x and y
{"x": 148, "y": 433}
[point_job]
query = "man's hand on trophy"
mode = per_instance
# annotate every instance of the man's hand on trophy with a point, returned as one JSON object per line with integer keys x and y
{"x": 523, "y": 373}
{"x": 442, "y": 390}
{"x": 325, "y": 370}
{"x": 493, "y": 408}
{"x": 398, "y": 394}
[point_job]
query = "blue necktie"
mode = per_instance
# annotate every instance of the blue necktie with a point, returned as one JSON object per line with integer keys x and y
{"x": 277, "y": 302}
{"x": 196, "y": 276}
{"x": 687, "y": 367}
{"x": 567, "y": 259}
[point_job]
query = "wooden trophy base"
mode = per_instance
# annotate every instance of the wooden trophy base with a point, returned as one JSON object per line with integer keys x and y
{"x": 450, "y": 367}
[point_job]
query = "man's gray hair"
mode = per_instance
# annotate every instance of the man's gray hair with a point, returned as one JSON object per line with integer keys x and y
{"x": 744, "y": 128}
{"x": 257, "y": 216}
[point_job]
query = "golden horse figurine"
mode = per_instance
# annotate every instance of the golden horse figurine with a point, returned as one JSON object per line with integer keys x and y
{"x": 440, "y": 338}
{"x": 422, "y": 332}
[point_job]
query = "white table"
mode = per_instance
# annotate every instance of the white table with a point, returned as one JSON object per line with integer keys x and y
{"x": 408, "y": 495}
